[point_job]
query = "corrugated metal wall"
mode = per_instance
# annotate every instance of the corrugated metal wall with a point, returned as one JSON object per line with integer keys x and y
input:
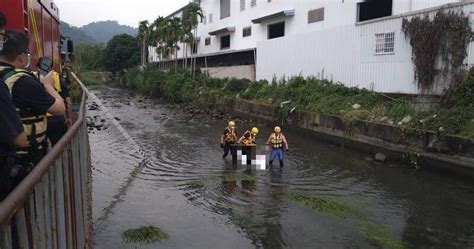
{"x": 346, "y": 54}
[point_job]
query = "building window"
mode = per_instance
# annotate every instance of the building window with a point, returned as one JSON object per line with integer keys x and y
{"x": 207, "y": 41}
{"x": 253, "y": 3}
{"x": 204, "y": 20}
{"x": 372, "y": 9}
{"x": 316, "y": 15}
{"x": 225, "y": 42}
{"x": 246, "y": 31}
{"x": 385, "y": 43}
{"x": 242, "y": 5}
{"x": 276, "y": 30}
{"x": 210, "y": 18}
{"x": 225, "y": 8}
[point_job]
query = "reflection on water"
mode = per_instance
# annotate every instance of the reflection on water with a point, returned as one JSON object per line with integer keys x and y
{"x": 202, "y": 201}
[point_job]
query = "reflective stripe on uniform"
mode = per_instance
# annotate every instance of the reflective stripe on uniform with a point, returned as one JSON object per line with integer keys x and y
{"x": 250, "y": 140}
{"x": 57, "y": 86}
{"x": 230, "y": 136}
{"x": 34, "y": 125}
{"x": 276, "y": 141}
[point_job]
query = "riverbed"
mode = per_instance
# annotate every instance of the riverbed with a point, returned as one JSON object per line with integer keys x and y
{"x": 324, "y": 197}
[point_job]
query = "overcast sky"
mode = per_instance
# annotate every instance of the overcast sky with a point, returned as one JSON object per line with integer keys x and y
{"x": 128, "y": 12}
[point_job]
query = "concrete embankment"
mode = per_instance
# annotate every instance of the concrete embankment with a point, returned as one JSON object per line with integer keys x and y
{"x": 424, "y": 149}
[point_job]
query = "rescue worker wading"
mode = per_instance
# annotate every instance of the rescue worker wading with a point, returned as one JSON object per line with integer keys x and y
{"x": 228, "y": 138}
{"x": 32, "y": 99}
{"x": 249, "y": 142}
{"x": 278, "y": 143}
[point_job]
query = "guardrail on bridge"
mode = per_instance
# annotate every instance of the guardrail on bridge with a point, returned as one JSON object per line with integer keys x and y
{"x": 51, "y": 207}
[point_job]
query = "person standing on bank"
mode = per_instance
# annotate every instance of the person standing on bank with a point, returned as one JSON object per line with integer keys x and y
{"x": 12, "y": 134}
{"x": 65, "y": 83}
{"x": 278, "y": 143}
{"x": 228, "y": 138}
{"x": 57, "y": 125}
{"x": 32, "y": 98}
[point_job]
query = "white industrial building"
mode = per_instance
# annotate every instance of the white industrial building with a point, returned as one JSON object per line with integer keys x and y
{"x": 356, "y": 42}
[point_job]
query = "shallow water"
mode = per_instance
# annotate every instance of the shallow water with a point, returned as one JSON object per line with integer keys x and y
{"x": 202, "y": 201}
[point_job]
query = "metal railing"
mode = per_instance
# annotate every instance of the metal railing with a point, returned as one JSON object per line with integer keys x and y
{"x": 51, "y": 207}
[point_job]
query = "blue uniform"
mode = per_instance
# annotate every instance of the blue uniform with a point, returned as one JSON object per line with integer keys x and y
{"x": 276, "y": 153}
{"x": 277, "y": 141}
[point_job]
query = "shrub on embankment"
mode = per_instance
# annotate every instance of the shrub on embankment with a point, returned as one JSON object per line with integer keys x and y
{"x": 310, "y": 94}
{"x": 307, "y": 94}
{"x": 92, "y": 78}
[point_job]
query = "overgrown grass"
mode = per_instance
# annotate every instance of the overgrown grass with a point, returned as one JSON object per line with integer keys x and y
{"x": 400, "y": 108}
{"x": 467, "y": 130}
{"x": 308, "y": 94}
{"x": 92, "y": 78}
{"x": 144, "y": 235}
{"x": 374, "y": 232}
{"x": 323, "y": 205}
{"x": 456, "y": 116}
{"x": 380, "y": 236}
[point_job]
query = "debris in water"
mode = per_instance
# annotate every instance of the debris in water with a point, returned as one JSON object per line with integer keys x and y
{"x": 380, "y": 157}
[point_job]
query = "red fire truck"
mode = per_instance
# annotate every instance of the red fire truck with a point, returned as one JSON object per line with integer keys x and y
{"x": 40, "y": 20}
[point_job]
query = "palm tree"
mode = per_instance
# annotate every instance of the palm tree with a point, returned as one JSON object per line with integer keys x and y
{"x": 159, "y": 38}
{"x": 192, "y": 15}
{"x": 175, "y": 34}
{"x": 143, "y": 36}
{"x": 166, "y": 34}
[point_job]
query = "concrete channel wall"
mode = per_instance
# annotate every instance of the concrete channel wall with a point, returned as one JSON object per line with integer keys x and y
{"x": 448, "y": 153}
{"x": 238, "y": 72}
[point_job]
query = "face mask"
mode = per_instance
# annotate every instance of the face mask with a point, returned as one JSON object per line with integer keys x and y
{"x": 28, "y": 61}
{"x": 3, "y": 39}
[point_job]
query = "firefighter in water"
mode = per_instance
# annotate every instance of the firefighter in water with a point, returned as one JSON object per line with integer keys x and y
{"x": 249, "y": 142}
{"x": 228, "y": 138}
{"x": 278, "y": 144}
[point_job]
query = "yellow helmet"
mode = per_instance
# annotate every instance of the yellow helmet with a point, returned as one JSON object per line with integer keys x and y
{"x": 255, "y": 130}
{"x": 231, "y": 123}
{"x": 277, "y": 129}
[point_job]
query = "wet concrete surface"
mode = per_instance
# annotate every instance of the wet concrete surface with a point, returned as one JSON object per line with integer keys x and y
{"x": 202, "y": 201}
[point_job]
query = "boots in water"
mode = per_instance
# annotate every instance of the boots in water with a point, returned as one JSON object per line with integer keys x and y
{"x": 281, "y": 163}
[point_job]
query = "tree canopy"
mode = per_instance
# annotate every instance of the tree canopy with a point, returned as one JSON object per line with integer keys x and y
{"x": 121, "y": 52}
{"x": 89, "y": 57}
